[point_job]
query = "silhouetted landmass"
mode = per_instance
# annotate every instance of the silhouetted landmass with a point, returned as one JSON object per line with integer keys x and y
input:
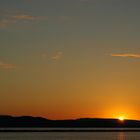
{"x": 28, "y": 121}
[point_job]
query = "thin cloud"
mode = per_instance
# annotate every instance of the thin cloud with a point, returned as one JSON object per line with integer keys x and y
{"x": 23, "y": 17}
{"x": 54, "y": 56}
{"x": 57, "y": 56}
{"x": 132, "y": 55}
{"x": 7, "y": 65}
{"x": 11, "y": 20}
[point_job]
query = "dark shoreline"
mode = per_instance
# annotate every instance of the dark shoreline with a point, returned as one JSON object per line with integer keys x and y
{"x": 38, "y": 122}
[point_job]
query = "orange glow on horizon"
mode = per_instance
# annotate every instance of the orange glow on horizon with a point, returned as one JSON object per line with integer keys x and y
{"x": 121, "y": 119}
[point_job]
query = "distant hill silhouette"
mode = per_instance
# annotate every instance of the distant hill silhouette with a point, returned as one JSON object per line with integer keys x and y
{"x": 28, "y": 121}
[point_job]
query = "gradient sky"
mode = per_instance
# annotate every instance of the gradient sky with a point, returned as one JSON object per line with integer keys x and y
{"x": 64, "y": 59}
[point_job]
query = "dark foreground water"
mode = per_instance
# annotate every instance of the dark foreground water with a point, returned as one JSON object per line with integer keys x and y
{"x": 70, "y": 136}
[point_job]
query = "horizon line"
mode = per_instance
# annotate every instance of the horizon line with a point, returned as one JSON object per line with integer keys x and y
{"x": 115, "y": 118}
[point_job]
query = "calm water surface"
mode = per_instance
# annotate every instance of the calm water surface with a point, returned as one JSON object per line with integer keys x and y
{"x": 71, "y": 136}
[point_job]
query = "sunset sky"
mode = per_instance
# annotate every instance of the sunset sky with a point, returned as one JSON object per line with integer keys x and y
{"x": 64, "y": 59}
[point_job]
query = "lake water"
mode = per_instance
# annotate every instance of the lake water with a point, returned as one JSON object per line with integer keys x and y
{"x": 70, "y": 136}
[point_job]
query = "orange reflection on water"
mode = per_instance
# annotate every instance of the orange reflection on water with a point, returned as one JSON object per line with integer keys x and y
{"x": 121, "y": 136}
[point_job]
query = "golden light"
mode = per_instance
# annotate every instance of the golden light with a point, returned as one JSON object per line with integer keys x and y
{"x": 121, "y": 118}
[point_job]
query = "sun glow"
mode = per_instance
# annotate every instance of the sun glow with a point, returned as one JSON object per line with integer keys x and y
{"x": 121, "y": 118}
